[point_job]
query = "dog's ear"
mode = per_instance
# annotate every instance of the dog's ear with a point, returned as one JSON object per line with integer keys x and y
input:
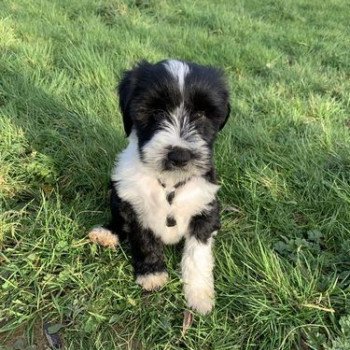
{"x": 126, "y": 89}
{"x": 227, "y": 115}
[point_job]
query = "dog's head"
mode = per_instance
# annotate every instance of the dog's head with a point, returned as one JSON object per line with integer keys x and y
{"x": 175, "y": 110}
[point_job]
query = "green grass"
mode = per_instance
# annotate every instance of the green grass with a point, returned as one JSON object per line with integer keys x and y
{"x": 283, "y": 256}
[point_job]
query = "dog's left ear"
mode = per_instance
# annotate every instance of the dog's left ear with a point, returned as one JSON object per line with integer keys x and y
{"x": 227, "y": 115}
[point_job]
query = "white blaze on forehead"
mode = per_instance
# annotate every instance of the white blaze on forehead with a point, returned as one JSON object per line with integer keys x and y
{"x": 178, "y": 70}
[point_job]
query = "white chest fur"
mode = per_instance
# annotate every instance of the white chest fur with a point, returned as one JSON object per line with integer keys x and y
{"x": 141, "y": 188}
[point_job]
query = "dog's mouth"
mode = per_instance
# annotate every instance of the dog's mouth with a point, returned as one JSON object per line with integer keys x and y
{"x": 169, "y": 167}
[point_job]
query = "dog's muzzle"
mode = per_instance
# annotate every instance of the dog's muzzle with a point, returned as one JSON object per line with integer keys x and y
{"x": 178, "y": 157}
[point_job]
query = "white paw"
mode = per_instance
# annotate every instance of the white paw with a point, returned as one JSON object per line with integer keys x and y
{"x": 201, "y": 300}
{"x": 152, "y": 281}
{"x": 103, "y": 237}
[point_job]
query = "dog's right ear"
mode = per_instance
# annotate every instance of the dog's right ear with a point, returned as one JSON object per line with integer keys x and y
{"x": 126, "y": 89}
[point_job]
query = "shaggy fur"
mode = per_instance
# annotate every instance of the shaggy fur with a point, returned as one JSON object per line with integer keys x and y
{"x": 164, "y": 184}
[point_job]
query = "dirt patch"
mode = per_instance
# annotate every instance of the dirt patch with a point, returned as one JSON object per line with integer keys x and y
{"x": 18, "y": 339}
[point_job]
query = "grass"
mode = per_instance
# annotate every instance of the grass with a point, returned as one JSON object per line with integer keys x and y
{"x": 283, "y": 255}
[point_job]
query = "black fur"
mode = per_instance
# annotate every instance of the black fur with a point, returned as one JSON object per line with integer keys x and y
{"x": 147, "y": 251}
{"x": 120, "y": 212}
{"x": 170, "y": 197}
{"x": 170, "y": 221}
{"x": 210, "y": 175}
{"x": 204, "y": 224}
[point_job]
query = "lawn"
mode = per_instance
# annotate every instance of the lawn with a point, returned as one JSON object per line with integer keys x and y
{"x": 283, "y": 255}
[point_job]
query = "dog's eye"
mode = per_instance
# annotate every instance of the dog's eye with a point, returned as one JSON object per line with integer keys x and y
{"x": 198, "y": 115}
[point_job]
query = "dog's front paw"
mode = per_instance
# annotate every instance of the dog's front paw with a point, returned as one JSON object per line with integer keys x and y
{"x": 201, "y": 300}
{"x": 152, "y": 281}
{"x": 103, "y": 237}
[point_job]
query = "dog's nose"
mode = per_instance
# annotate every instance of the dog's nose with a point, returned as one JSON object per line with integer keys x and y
{"x": 179, "y": 157}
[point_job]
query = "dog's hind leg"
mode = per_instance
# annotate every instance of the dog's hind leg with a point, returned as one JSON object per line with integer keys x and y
{"x": 111, "y": 234}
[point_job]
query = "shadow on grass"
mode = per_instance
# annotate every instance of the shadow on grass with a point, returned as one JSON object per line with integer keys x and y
{"x": 61, "y": 149}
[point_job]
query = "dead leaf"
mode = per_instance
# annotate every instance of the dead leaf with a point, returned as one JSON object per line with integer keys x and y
{"x": 187, "y": 321}
{"x": 232, "y": 209}
{"x": 54, "y": 339}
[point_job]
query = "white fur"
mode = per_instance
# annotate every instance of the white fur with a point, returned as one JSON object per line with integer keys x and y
{"x": 152, "y": 281}
{"x": 197, "y": 274}
{"x": 139, "y": 185}
{"x": 178, "y": 70}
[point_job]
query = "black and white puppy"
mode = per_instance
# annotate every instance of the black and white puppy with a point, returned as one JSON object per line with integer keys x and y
{"x": 164, "y": 186}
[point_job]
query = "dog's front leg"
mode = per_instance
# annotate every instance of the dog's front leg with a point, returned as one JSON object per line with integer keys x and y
{"x": 198, "y": 262}
{"x": 148, "y": 259}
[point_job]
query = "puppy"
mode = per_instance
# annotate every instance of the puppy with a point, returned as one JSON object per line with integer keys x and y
{"x": 164, "y": 186}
